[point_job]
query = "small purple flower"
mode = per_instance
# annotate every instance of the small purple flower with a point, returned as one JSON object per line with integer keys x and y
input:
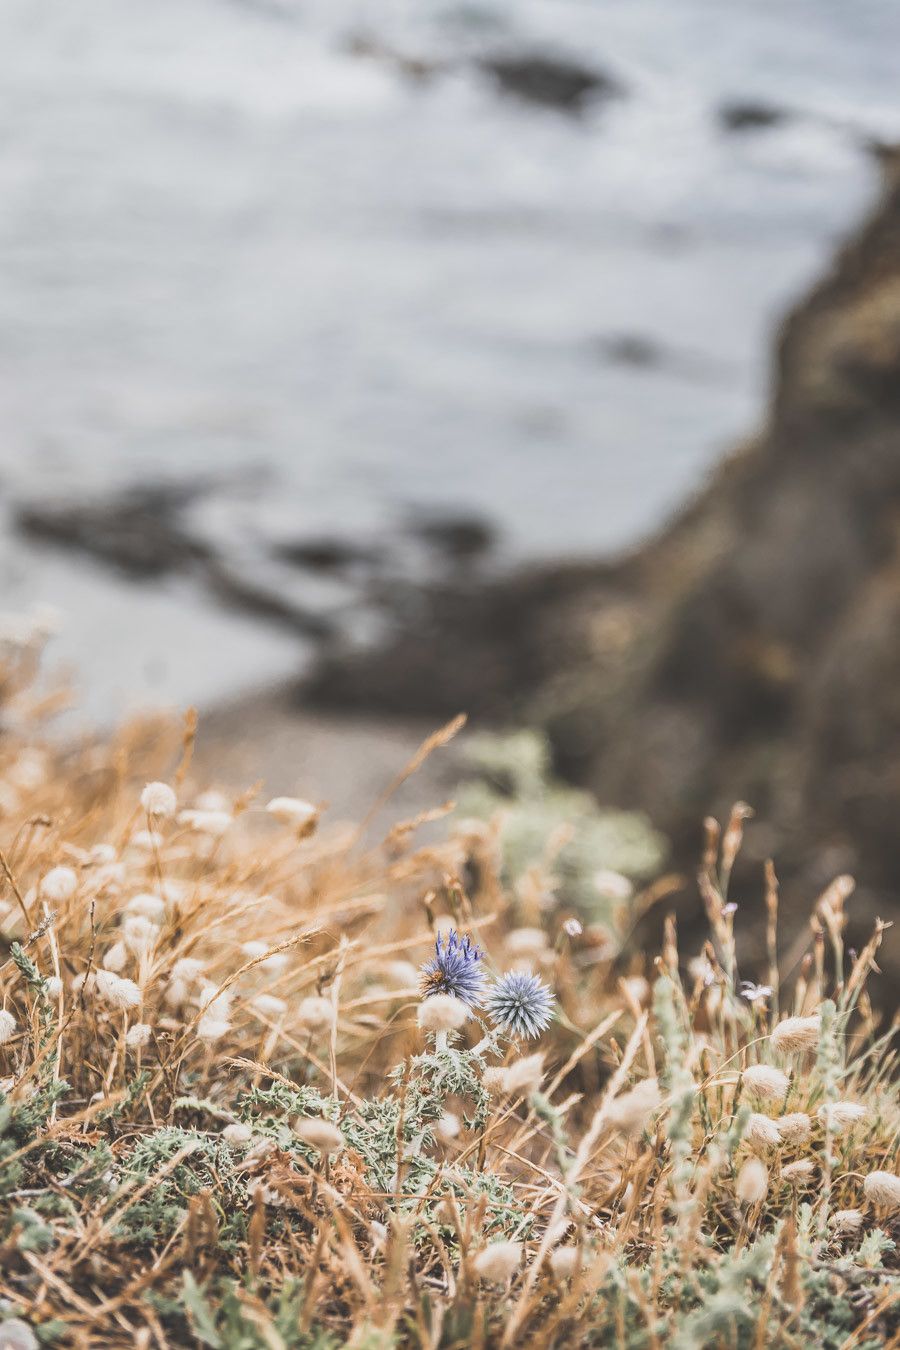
{"x": 520, "y": 1004}
{"x": 454, "y": 969}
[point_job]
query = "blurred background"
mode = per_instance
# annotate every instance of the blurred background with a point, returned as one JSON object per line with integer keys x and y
{"x": 333, "y": 329}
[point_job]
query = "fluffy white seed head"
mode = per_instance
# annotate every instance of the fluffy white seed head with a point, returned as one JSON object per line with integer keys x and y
{"x": 269, "y": 1005}
{"x": 54, "y": 986}
{"x": 59, "y": 885}
{"x": 448, "y": 1127}
{"x": 7, "y": 1026}
{"x": 493, "y": 1080}
{"x": 882, "y": 1189}
{"x": 158, "y": 799}
{"x": 292, "y": 811}
{"x": 613, "y": 885}
{"x": 211, "y": 823}
{"x": 188, "y": 969}
{"x": 273, "y": 964}
{"x": 116, "y": 958}
{"x": 766, "y": 1082}
{"x": 527, "y": 942}
{"x": 146, "y": 841}
{"x": 761, "y": 1132}
{"x": 119, "y": 993}
{"x": 840, "y": 1116}
{"x": 564, "y": 1262}
{"x": 318, "y": 1134}
{"x": 442, "y": 1012}
{"x": 524, "y": 1075}
{"x": 138, "y": 1036}
{"x": 793, "y": 1035}
{"x": 796, "y": 1173}
{"x": 212, "y": 1029}
{"x": 498, "y": 1261}
{"x": 846, "y": 1222}
{"x": 148, "y": 905}
{"x": 139, "y": 934}
{"x": 237, "y": 1135}
{"x": 315, "y": 1013}
{"x": 794, "y": 1128}
{"x": 752, "y": 1182}
{"x": 631, "y": 1111}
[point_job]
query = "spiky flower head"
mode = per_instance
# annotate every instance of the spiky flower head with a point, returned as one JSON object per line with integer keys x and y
{"x": 520, "y": 1004}
{"x": 454, "y": 969}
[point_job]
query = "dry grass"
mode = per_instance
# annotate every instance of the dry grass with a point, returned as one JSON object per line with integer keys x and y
{"x": 176, "y": 1185}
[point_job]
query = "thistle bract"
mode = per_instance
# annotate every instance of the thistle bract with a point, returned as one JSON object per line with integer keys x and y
{"x": 454, "y": 969}
{"x": 520, "y": 1004}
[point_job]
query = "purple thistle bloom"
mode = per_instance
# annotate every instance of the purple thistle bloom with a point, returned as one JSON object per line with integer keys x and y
{"x": 520, "y": 1004}
{"x": 454, "y": 969}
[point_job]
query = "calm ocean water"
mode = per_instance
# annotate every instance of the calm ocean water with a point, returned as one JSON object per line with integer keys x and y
{"x": 231, "y": 245}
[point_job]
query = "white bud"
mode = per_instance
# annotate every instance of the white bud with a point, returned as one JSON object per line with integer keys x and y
{"x": 766, "y": 1082}
{"x": 442, "y": 1012}
{"x": 292, "y": 811}
{"x": 138, "y": 1036}
{"x": 7, "y": 1026}
{"x": 318, "y": 1134}
{"x": 158, "y": 799}
{"x": 752, "y": 1182}
{"x": 59, "y": 885}
{"x": 883, "y": 1190}
{"x": 498, "y": 1261}
{"x": 795, "y": 1034}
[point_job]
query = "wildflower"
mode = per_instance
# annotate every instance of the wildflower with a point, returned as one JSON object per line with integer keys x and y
{"x": 213, "y": 823}
{"x": 797, "y": 1172}
{"x": 761, "y": 1132}
{"x": 318, "y": 1134}
{"x": 158, "y": 799}
{"x": 573, "y": 928}
{"x": 883, "y": 1190}
{"x": 59, "y": 885}
{"x": 442, "y": 1013}
{"x": 564, "y": 1262}
{"x": 794, "y": 1128}
{"x": 269, "y": 1005}
{"x": 448, "y": 1127}
{"x": 237, "y": 1135}
{"x": 7, "y": 1026}
{"x": 846, "y": 1222}
{"x": 838, "y": 1116}
{"x": 520, "y": 1004}
{"x": 293, "y": 811}
{"x": 454, "y": 969}
{"x": 631, "y": 1111}
{"x": 756, "y": 993}
{"x": 315, "y": 1013}
{"x": 498, "y": 1261}
{"x": 766, "y": 1082}
{"x": 138, "y": 1036}
{"x": 17, "y": 1335}
{"x": 524, "y": 1075}
{"x": 752, "y": 1182}
{"x": 118, "y": 992}
{"x": 795, "y": 1034}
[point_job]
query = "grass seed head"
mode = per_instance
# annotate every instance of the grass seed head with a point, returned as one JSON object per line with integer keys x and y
{"x": 793, "y": 1035}
{"x": 159, "y": 800}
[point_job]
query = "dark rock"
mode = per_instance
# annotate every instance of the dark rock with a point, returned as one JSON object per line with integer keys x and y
{"x": 746, "y": 115}
{"x": 138, "y": 531}
{"x": 553, "y": 82}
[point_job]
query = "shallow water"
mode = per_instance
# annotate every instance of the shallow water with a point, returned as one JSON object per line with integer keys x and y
{"x": 229, "y": 244}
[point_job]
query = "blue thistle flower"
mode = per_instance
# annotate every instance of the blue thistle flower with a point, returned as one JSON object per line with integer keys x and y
{"x": 454, "y": 969}
{"x": 520, "y": 1004}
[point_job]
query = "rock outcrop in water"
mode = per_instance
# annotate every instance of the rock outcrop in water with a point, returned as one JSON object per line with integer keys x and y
{"x": 753, "y": 649}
